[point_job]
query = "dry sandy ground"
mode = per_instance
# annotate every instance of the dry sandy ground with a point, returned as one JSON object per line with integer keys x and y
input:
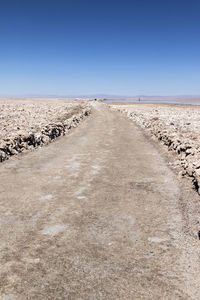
{"x": 29, "y": 123}
{"x": 98, "y": 214}
{"x": 177, "y": 127}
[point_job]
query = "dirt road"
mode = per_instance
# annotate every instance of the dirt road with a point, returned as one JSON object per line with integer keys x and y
{"x": 95, "y": 215}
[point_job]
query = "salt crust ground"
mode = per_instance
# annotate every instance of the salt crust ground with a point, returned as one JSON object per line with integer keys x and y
{"x": 177, "y": 127}
{"x": 28, "y": 123}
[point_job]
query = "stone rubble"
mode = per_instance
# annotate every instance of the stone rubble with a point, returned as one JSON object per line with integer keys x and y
{"x": 27, "y": 125}
{"x": 177, "y": 127}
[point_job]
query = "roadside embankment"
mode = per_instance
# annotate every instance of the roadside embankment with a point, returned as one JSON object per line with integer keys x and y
{"x": 25, "y": 125}
{"x": 177, "y": 127}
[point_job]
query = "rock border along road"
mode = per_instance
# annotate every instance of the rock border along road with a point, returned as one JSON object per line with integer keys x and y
{"x": 97, "y": 214}
{"x": 25, "y": 125}
{"x": 177, "y": 127}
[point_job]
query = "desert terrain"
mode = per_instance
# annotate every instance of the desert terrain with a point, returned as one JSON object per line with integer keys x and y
{"x": 29, "y": 123}
{"x": 177, "y": 127}
{"x": 100, "y": 212}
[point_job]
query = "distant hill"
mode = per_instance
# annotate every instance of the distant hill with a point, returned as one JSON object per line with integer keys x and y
{"x": 104, "y": 96}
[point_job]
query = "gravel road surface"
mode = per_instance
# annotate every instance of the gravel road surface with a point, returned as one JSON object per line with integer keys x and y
{"x": 97, "y": 214}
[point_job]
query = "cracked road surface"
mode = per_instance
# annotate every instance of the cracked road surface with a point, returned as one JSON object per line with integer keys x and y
{"x": 95, "y": 215}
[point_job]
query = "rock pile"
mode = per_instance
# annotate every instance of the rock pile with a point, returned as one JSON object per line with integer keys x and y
{"x": 177, "y": 127}
{"x": 25, "y": 126}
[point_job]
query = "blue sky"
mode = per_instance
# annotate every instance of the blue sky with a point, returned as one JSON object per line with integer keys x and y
{"x": 61, "y": 47}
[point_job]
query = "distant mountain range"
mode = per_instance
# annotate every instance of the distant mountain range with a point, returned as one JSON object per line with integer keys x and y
{"x": 143, "y": 96}
{"x": 104, "y": 96}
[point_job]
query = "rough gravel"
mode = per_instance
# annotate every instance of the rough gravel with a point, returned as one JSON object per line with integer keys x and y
{"x": 27, "y": 124}
{"x": 177, "y": 127}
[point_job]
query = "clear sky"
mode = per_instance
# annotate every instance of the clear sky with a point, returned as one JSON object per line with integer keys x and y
{"x": 84, "y": 47}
